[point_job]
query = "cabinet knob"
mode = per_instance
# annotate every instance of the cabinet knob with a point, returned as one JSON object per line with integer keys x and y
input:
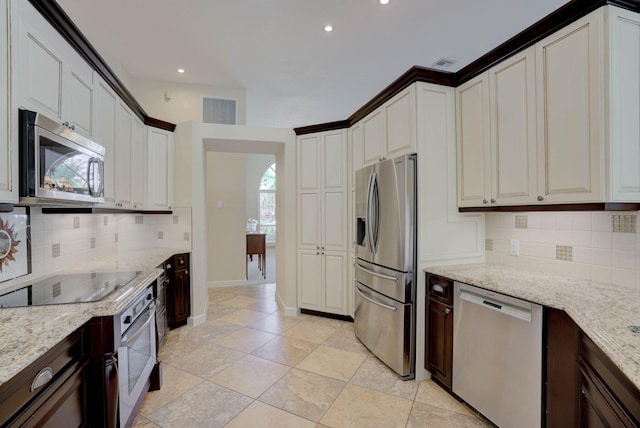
{"x": 447, "y": 311}
{"x": 65, "y": 124}
{"x": 73, "y": 127}
{"x": 317, "y": 253}
{"x": 540, "y": 198}
{"x": 493, "y": 201}
{"x": 186, "y": 272}
{"x": 168, "y": 266}
{"x": 42, "y": 378}
{"x": 484, "y": 201}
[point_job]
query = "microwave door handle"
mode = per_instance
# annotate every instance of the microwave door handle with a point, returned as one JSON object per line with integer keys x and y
{"x": 90, "y": 175}
{"x": 100, "y": 163}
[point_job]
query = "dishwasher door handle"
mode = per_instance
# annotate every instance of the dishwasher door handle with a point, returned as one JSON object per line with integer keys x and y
{"x": 375, "y": 302}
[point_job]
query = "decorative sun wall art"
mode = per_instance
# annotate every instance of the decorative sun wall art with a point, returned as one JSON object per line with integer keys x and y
{"x": 15, "y": 248}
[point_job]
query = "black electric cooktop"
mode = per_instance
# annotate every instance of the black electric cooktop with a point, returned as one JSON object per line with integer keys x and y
{"x": 74, "y": 288}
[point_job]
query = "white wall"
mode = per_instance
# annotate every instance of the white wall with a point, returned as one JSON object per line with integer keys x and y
{"x": 185, "y": 103}
{"x": 598, "y": 246}
{"x": 256, "y": 166}
{"x": 226, "y": 222}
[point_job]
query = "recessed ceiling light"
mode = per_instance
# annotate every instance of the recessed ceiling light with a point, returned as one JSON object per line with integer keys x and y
{"x": 384, "y": 1}
{"x": 328, "y": 28}
{"x": 181, "y": 70}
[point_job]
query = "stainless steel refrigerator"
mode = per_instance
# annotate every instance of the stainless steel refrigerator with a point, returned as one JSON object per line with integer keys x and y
{"x": 385, "y": 277}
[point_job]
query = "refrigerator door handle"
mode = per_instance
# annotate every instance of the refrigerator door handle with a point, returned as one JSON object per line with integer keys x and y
{"x": 373, "y": 219}
{"x": 368, "y": 213}
{"x": 392, "y": 278}
{"x": 375, "y": 302}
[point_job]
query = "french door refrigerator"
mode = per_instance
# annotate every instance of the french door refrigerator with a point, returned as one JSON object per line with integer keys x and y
{"x": 385, "y": 277}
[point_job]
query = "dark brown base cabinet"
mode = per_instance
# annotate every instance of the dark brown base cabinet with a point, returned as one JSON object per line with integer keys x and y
{"x": 62, "y": 401}
{"x": 178, "y": 290}
{"x": 439, "y": 328}
{"x": 583, "y": 386}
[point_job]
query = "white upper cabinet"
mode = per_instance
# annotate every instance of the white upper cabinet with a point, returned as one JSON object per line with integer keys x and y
{"x": 474, "y": 148}
{"x": 8, "y": 146}
{"x": 138, "y": 164}
{"x": 159, "y": 169}
{"x": 105, "y": 135}
{"x": 390, "y": 130}
{"x": 624, "y": 98}
{"x": 124, "y": 129}
{"x": 570, "y": 112}
{"x": 356, "y": 145}
{"x": 54, "y": 79}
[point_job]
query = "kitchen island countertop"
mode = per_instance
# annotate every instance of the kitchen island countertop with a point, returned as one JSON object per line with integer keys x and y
{"x": 603, "y": 311}
{"x": 29, "y": 332}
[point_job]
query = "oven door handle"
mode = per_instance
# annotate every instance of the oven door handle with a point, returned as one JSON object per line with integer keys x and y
{"x": 126, "y": 342}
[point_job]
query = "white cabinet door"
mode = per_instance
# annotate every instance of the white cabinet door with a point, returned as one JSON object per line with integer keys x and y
{"x": 8, "y": 145}
{"x": 138, "y": 164}
{"x": 40, "y": 76}
{"x": 400, "y": 123}
{"x": 310, "y": 281}
{"x": 513, "y": 130}
{"x": 78, "y": 88}
{"x": 105, "y": 135}
{"x": 309, "y": 212}
{"x": 624, "y": 90}
{"x": 124, "y": 127}
{"x": 335, "y": 282}
{"x": 356, "y": 144}
{"x": 373, "y": 136}
{"x": 473, "y": 136}
{"x": 570, "y": 112}
{"x": 334, "y": 190}
{"x": 160, "y": 169}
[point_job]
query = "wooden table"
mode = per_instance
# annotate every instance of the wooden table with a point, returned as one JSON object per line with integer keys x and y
{"x": 256, "y": 244}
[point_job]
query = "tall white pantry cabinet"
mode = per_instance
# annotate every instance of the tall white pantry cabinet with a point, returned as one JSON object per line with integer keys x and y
{"x": 8, "y": 156}
{"x": 322, "y": 178}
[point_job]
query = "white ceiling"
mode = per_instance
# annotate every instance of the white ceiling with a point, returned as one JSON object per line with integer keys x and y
{"x": 293, "y": 72}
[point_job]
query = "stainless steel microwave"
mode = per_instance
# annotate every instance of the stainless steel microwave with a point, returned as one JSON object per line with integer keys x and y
{"x": 58, "y": 165}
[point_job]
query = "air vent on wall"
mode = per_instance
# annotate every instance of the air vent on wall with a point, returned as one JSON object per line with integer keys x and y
{"x": 219, "y": 110}
{"x": 444, "y": 63}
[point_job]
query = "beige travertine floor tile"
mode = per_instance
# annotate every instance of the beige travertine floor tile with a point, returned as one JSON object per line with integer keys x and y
{"x": 142, "y": 422}
{"x": 246, "y": 339}
{"x": 177, "y": 343}
{"x": 332, "y": 362}
{"x": 242, "y": 317}
{"x": 175, "y": 382}
{"x": 266, "y": 306}
{"x": 206, "y": 405}
{"x": 250, "y": 376}
{"x": 304, "y": 394}
{"x": 375, "y": 374}
{"x": 239, "y": 301}
{"x": 345, "y": 338}
{"x": 310, "y": 331}
{"x": 210, "y": 330}
{"x": 430, "y": 393}
{"x": 363, "y": 407}
{"x": 424, "y": 416}
{"x": 275, "y": 324}
{"x": 286, "y": 350}
{"x": 219, "y": 311}
{"x": 203, "y": 360}
{"x": 262, "y": 415}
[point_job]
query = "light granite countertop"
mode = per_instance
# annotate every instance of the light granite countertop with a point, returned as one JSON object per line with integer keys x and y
{"x": 603, "y": 311}
{"x": 28, "y": 333}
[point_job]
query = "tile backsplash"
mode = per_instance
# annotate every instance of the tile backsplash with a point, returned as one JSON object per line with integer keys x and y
{"x": 59, "y": 241}
{"x": 601, "y": 246}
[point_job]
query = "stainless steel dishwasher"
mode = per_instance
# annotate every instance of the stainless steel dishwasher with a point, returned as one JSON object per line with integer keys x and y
{"x": 497, "y": 356}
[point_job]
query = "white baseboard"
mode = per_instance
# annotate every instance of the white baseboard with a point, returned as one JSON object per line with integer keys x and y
{"x": 201, "y": 318}
{"x": 288, "y": 310}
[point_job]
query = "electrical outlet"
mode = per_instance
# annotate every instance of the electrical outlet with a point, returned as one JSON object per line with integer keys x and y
{"x": 514, "y": 247}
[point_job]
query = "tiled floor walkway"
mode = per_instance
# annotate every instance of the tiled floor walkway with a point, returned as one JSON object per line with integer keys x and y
{"x": 250, "y": 365}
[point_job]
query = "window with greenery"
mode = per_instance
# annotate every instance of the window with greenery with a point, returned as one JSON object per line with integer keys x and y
{"x": 267, "y": 202}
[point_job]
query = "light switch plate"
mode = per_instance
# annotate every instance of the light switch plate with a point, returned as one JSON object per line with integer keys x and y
{"x": 514, "y": 247}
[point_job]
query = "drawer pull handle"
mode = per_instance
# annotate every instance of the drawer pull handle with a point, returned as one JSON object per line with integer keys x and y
{"x": 42, "y": 378}
{"x": 437, "y": 288}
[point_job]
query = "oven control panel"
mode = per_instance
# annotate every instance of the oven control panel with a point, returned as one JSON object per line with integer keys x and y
{"x": 134, "y": 310}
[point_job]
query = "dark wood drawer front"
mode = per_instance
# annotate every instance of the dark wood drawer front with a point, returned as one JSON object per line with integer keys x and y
{"x": 16, "y": 393}
{"x": 619, "y": 390}
{"x": 440, "y": 288}
{"x": 181, "y": 261}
